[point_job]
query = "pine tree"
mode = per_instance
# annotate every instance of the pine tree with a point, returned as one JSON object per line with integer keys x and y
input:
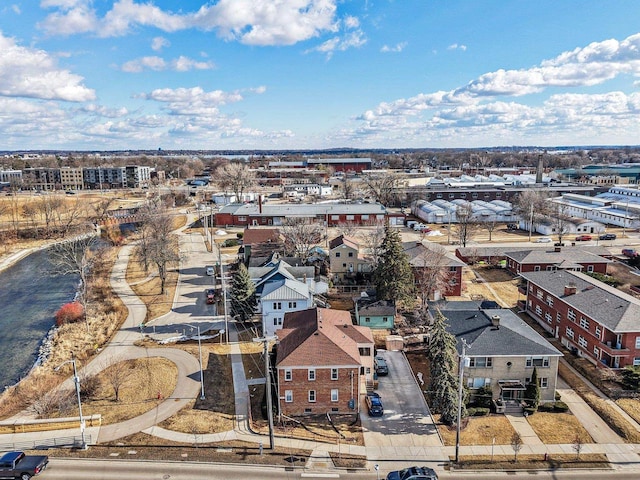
{"x": 243, "y": 295}
{"x": 532, "y": 392}
{"x": 444, "y": 382}
{"x": 393, "y": 276}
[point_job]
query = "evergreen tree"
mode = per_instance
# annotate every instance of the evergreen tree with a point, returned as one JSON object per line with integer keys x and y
{"x": 444, "y": 381}
{"x": 393, "y": 276}
{"x": 243, "y": 295}
{"x": 532, "y": 392}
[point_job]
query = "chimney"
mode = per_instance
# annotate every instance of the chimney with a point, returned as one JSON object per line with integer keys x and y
{"x": 260, "y": 204}
{"x": 570, "y": 289}
{"x": 495, "y": 321}
{"x": 539, "y": 170}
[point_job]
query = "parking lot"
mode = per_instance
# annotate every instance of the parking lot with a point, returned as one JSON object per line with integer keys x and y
{"x": 406, "y": 420}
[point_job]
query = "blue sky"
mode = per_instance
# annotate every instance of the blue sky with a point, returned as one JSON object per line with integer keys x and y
{"x": 305, "y": 74}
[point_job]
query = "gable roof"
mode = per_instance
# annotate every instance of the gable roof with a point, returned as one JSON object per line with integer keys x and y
{"x": 320, "y": 337}
{"x": 343, "y": 240}
{"x": 513, "y": 338}
{"x": 281, "y": 270}
{"x": 564, "y": 258}
{"x": 286, "y": 289}
{"x": 367, "y": 306}
{"x": 616, "y": 310}
{"x": 501, "y": 251}
{"x": 254, "y": 236}
{"x": 418, "y": 252}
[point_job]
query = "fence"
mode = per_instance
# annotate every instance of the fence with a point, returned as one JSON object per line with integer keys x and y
{"x": 45, "y": 443}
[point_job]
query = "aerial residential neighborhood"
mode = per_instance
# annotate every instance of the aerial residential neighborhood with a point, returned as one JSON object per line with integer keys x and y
{"x": 326, "y": 348}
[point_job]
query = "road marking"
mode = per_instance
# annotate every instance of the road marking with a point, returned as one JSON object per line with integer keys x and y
{"x": 319, "y": 475}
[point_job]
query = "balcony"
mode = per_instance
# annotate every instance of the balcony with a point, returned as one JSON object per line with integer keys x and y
{"x": 615, "y": 350}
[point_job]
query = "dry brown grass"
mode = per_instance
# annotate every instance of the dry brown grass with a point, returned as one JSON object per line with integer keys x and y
{"x": 216, "y": 412}
{"x": 631, "y": 406}
{"x": 146, "y": 378}
{"x": 533, "y": 462}
{"x": 499, "y": 280}
{"x": 479, "y": 431}
{"x": 616, "y": 421}
{"x": 556, "y": 428}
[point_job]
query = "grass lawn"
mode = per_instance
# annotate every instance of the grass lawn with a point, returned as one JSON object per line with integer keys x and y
{"x": 553, "y": 428}
{"x": 478, "y": 431}
{"x": 533, "y": 462}
{"x": 631, "y": 406}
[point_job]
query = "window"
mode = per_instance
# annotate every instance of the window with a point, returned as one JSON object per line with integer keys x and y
{"x": 582, "y": 341}
{"x": 598, "y": 331}
{"x": 538, "y": 310}
{"x": 337, "y": 254}
{"x": 539, "y": 294}
{"x": 288, "y": 375}
{"x": 584, "y": 323}
{"x": 558, "y": 317}
{"x": 367, "y": 319}
{"x": 364, "y": 351}
{"x": 288, "y": 396}
{"x": 590, "y": 268}
{"x": 350, "y": 218}
{"x": 537, "y": 361}
{"x": 334, "y": 394}
{"x": 453, "y": 269}
{"x": 637, "y": 342}
{"x": 277, "y": 321}
{"x": 548, "y": 317}
{"x": 293, "y": 304}
{"x": 536, "y": 268}
{"x": 312, "y": 396}
{"x": 478, "y": 382}
{"x": 334, "y": 374}
{"x": 569, "y": 332}
{"x": 480, "y": 362}
{"x": 544, "y": 382}
{"x": 636, "y": 362}
{"x": 549, "y": 301}
{"x": 351, "y": 254}
{"x": 571, "y": 315}
{"x": 311, "y": 374}
{"x": 596, "y": 351}
{"x": 277, "y": 305}
{"x": 364, "y": 217}
{"x": 335, "y": 217}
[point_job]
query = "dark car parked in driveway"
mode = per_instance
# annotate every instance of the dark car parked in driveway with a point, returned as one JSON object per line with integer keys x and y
{"x": 413, "y": 473}
{"x": 374, "y": 405}
{"x": 381, "y": 366}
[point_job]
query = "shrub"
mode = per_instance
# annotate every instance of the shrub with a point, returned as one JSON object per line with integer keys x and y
{"x": 480, "y": 412}
{"x": 69, "y": 313}
{"x": 482, "y": 397}
{"x": 546, "y": 407}
{"x": 557, "y": 396}
{"x": 530, "y": 410}
{"x": 560, "y": 407}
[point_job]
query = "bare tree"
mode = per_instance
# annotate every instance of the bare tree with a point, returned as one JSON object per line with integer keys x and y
{"x": 117, "y": 374}
{"x": 347, "y": 188}
{"x": 560, "y": 220}
{"x": 516, "y": 444}
{"x": 101, "y": 208}
{"x": 467, "y": 225}
{"x": 300, "y": 236}
{"x": 532, "y": 207}
{"x": 235, "y": 177}
{"x": 372, "y": 242}
{"x": 383, "y": 187}
{"x": 159, "y": 247}
{"x": 490, "y": 225}
{"x": 348, "y": 229}
{"x": 577, "y": 445}
{"x": 77, "y": 257}
{"x": 431, "y": 269}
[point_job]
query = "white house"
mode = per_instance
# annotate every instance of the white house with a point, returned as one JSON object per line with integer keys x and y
{"x": 279, "y": 297}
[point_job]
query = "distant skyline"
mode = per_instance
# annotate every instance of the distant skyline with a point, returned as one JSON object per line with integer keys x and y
{"x": 317, "y": 74}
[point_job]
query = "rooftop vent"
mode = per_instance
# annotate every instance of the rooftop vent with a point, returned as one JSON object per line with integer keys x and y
{"x": 570, "y": 289}
{"x": 495, "y": 321}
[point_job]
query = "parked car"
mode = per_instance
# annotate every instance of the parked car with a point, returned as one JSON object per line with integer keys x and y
{"x": 413, "y": 473}
{"x": 419, "y": 226}
{"x": 512, "y": 226}
{"x": 211, "y": 295}
{"x": 210, "y": 271}
{"x": 629, "y": 252}
{"x": 381, "y": 366}
{"x": 583, "y": 238}
{"x": 19, "y": 465}
{"x": 544, "y": 240}
{"x": 425, "y": 230}
{"x": 608, "y": 236}
{"x": 374, "y": 405}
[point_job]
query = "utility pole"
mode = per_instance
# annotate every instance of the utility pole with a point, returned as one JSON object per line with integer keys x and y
{"x": 224, "y": 295}
{"x": 267, "y": 369}
{"x": 530, "y": 221}
{"x": 460, "y": 391}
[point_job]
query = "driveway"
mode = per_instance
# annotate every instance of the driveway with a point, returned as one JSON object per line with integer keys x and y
{"x": 406, "y": 421}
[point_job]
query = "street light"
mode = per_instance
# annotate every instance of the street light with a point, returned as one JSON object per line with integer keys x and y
{"x": 76, "y": 380}
{"x": 202, "y": 397}
{"x": 461, "y": 366}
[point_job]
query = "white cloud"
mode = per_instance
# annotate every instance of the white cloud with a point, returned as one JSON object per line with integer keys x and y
{"x": 28, "y": 72}
{"x": 397, "y": 48}
{"x": 180, "y": 64}
{"x": 456, "y": 46}
{"x": 16, "y": 9}
{"x": 351, "y": 22}
{"x": 354, "y": 39}
{"x": 253, "y": 22}
{"x": 158, "y": 43}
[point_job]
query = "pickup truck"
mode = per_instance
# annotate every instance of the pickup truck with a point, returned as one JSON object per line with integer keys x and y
{"x": 18, "y": 465}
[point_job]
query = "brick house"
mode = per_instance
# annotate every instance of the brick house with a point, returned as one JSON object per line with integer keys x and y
{"x": 598, "y": 322}
{"x": 556, "y": 258}
{"x": 502, "y": 351}
{"x": 346, "y": 261}
{"x": 427, "y": 256}
{"x": 323, "y": 362}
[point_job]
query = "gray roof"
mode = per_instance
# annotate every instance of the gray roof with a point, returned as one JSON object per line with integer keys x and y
{"x": 513, "y": 338}
{"x": 416, "y": 252}
{"x": 501, "y": 251}
{"x": 565, "y": 258}
{"x": 304, "y": 210}
{"x": 338, "y": 160}
{"x": 377, "y": 308}
{"x": 616, "y": 310}
{"x": 285, "y": 290}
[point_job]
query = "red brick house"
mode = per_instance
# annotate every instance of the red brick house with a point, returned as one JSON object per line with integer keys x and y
{"x": 428, "y": 256}
{"x": 323, "y": 362}
{"x": 598, "y": 322}
{"x": 556, "y": 258}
